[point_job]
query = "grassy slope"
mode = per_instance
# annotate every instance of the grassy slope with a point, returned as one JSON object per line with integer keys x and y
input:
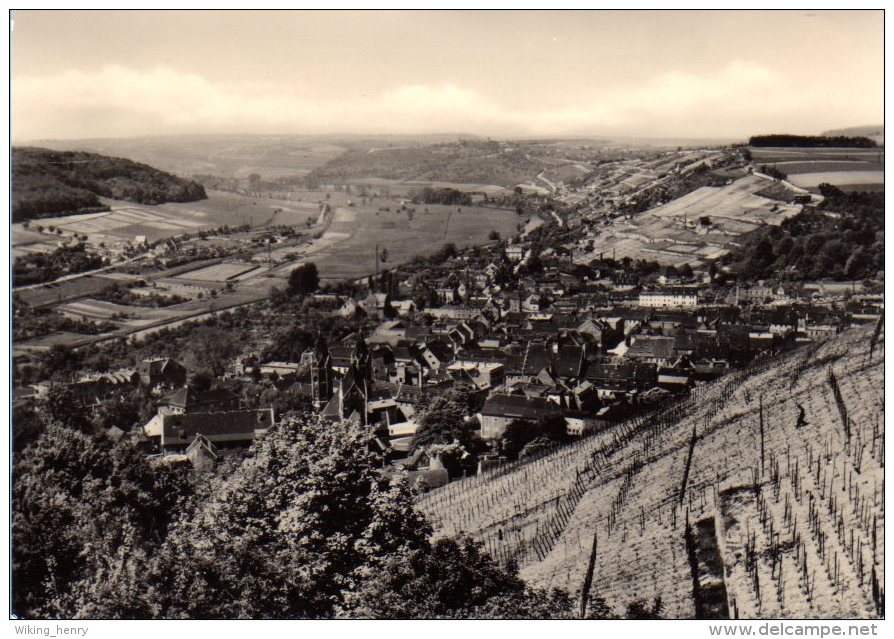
{"x": 633, "y": 476}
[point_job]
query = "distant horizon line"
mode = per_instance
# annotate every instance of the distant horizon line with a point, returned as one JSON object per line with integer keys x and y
{"x": 444, "y": 134}
{"x": 448, "y": 135}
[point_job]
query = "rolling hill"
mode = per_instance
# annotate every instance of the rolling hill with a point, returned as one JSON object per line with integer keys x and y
{"x": 47, "y": 183}
{"x": 873, "y": 132}
{"x": 759, "y": 496}
{"x": 464, "y": 161}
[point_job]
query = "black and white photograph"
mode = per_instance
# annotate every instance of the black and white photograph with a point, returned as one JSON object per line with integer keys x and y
{"x": 417, "y": 314}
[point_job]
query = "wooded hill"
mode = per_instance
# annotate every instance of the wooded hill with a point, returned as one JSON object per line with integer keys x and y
{"x": 47, "y": 183}
{"x": 834, "y": 141}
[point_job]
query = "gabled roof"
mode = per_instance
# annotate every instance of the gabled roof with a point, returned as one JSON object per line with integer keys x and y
{"x": 627, "y": 371}
{"x": 651, "y": 346}
{"x": 569, "y": 362}
{"x": 238, "y": 425}
{"x": 519, "y": 407}
{"x": 186, "y": 397}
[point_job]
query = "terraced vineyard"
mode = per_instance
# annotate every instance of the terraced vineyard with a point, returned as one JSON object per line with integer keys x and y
{"x": 759, "y": 496}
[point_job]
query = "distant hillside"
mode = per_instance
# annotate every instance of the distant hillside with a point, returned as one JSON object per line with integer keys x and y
{"x": 462, "y": 162}
{"x": 875, "y": 132}
{"x": 46, "y": 183}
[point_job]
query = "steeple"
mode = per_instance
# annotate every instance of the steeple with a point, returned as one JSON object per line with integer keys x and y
{"x": 361, "y": 363}
{"x": 320, "y": 373}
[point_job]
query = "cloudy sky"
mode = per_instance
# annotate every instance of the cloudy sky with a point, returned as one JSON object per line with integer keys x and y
{"x": 653, "y": 74}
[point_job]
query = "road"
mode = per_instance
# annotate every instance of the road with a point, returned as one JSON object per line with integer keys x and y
{"x": 552, "y": 187}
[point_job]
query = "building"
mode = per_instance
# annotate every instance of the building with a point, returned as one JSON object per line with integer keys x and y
{"x": 669, "y": 298}
{"x": 318, "y": 363}
{"x": 189, "y": 400}
{"x": 501, "y": 410}
{"x": 653, "y": 349}
{"x": 175, "y": 433}
{"x": 161, "y": 371}
{"x": 91, "y": 390}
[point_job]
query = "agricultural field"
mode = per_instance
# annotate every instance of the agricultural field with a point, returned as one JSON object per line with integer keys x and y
{"x": 223, "y": 272}
{"x": 126, "y": 221}
{"x": 873, "y": 180}
{"x": 59, "y": 292}
{"x": 767, "y": 483}
{"x": 737, "y": 201}
{"x": 125, "y": 316}
{"x": 347, "y": 249}
{"x": 850, "y": 169}
{"x": 670, "y": 233}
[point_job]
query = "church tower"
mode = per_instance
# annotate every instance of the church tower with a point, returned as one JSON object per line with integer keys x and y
{"x": 361, "y": 364}
{"x": 320, "y": 373}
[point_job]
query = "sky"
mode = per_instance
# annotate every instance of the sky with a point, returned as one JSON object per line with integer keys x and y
{"x": 724, "y": 74}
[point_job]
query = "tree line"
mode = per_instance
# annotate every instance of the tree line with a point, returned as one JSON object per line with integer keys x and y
{"x": 811, "y": 141}
{"x": 846, "y": 245}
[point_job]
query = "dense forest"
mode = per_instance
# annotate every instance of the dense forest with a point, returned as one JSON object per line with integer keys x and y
{"x": 843, "y": 240}
{"x": 46, "y": 183}
{"x": 784, "y": 139}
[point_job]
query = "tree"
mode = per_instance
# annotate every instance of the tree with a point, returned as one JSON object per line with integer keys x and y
{"x": 443, "y": 420}
{"x": 640, "y": 610}
{"x": 62, "y": 407}
{"x": 537, "y": 445}
{"x": 304, "y": 279}
{"x": 493, "y": 236}
{"x": 302, "y": 521}
{"x": 388, "y": 309}
{"x": 453, "y": 579}
{"x": 447, "y": 251}
{"x": 59, "y": 361}
{"x": 518, "y": 433}
{"x": 117, "y": 412}
{"x": 598, "y": 608}
{"x": 212, "y": 349}
{"x": 85, "y": 513}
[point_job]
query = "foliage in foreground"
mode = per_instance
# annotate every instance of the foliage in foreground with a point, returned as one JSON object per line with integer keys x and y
{"x": 305, "y": 527}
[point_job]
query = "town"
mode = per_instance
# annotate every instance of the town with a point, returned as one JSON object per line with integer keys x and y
{"x": 468, "y": 359}
{"x": 495, "y": 315}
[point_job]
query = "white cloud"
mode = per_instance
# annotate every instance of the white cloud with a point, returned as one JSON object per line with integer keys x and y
{"x": 116, "y": 101}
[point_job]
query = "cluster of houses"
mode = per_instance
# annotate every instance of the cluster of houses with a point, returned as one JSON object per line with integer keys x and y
{"x": 559, "y": 344}
{"x": 553, "y": 347}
